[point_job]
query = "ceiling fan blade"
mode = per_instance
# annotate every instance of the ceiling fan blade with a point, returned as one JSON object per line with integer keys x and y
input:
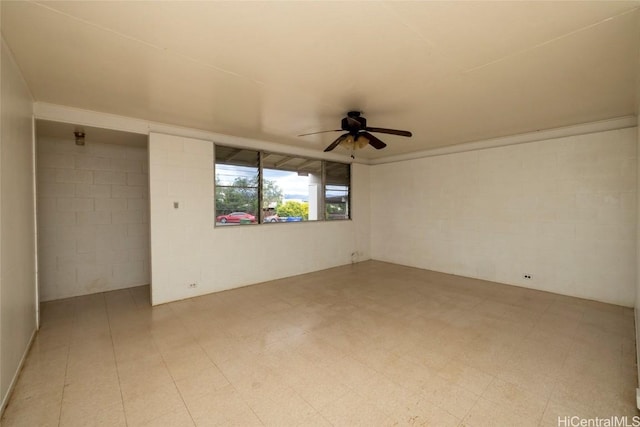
{"x": 322, "y": 131}
{"x": 389, "y": 131}
{"x": 335, "y": 143}
{"x": 373, "y": 141}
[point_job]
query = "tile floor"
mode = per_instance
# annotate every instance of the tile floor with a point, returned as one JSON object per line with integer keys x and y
{"x": 368, "y": 344}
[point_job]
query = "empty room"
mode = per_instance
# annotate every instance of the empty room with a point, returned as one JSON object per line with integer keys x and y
{"x": 283, "y": 213}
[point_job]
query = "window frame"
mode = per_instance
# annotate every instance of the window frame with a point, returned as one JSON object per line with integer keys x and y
{"x": 322, "y": 215}
{"x": 324, "y": 191}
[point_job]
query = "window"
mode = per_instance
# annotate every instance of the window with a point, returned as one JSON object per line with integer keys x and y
{"x": 337, "y": 191}
{"x": 236, "y": 187}
{"x": 256, "y": 187}
{"x": 291, "y": 188}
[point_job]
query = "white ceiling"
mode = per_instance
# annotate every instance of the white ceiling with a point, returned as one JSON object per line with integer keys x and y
{"x": 450, "y": 72}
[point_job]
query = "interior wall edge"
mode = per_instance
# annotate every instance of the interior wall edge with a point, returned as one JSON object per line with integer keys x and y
{"x": 18, "y": 283}
{"x": 14, "y": 380}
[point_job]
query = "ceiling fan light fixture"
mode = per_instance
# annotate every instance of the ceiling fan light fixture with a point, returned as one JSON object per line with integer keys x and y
{"x": 351, "y": 143}
{"x": 358, "y": 134}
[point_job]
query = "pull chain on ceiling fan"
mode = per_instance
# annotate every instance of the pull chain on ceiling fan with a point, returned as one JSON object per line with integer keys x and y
{"x": 358, "y": 133}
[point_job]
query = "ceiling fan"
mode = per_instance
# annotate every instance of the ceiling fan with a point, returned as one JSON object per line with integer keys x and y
{"x": 358, "y": 135}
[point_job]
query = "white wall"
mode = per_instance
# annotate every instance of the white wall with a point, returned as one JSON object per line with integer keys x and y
{"x": 93, "y": 217}
{"x": 186, "y": 248}
{"x": 562, "y": 210}
{"x": 17, "y": 236}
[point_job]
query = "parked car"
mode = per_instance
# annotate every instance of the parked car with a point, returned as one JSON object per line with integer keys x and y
{"x": 236, "y": 217}
{"x": 272, "y": 218}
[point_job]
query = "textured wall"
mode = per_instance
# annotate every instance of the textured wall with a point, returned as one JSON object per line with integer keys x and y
{"x": 93, "y": 219}
{"x": 17, "y": 229}
{"x": 562, "y": 210}
{"x": 186, "y": 247}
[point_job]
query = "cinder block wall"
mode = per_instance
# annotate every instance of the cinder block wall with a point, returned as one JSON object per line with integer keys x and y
{"x": 93, "y": 217}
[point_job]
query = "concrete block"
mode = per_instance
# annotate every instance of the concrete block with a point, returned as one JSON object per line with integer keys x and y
{"x": 111, "y": 205}
{"x": 110, "y": 177}
{"x": 124, "y": 191}
{"x": 75, "y": 205}
{"x": 93, "y": 191}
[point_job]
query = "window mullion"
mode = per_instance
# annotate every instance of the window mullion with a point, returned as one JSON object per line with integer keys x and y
{"x": 260, "y": 188}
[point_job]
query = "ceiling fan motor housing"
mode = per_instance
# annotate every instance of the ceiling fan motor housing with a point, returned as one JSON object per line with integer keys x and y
{"x": 349, "y": 122}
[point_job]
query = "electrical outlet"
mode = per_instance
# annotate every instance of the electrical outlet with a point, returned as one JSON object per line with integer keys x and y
{"x": 527, "y": 276}
{"x": 193, "y": 285}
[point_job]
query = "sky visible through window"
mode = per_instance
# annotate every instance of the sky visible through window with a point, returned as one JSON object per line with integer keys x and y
{"x": 294, "y": 187}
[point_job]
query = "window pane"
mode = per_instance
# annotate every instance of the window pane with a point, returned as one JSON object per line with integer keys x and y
{"x": 253, "y": 186}
{"x": 236, "y": 189}
{"x": 291, "y": 188}
{"x": 336, "y": 191}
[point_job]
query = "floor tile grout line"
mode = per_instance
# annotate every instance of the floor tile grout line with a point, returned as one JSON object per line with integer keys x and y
{"x": 175, "y": 384}
{"x": 115, "y": 359}
{"x": 586, "y": 322}
{"x": 66, "y": 368}
{"x": 179, "y": 318}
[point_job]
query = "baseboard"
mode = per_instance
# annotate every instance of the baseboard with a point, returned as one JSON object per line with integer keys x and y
{"x": 14, "y": 380}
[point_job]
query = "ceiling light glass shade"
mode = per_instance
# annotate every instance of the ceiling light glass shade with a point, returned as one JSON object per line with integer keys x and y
{"x": 350, "y": 143}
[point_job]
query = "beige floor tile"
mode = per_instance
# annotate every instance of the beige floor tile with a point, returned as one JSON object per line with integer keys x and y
{"x": 560, "y": 411}
{"x": 134, "y": 347}
{"x": 283, "y": 408}
{"x": 222, "y": 407}
{"x": 187, "y": 361}
{"x": 86, "y": 369}
{"x": 106, "y": 416}
{"x": 251, "y": 376}
{"x": 449, "y": 396}
{"x": 384, "y": 394}
{"x": 313, "y": 420}
{"x": 408, "y": 374}
{"x": 32, "y": 415}
{"x": 516, "y": 398}
{"x": 201, "y": 383}
{"x": 465, "y": 376}
{"x": 32, "y": 386}
{"x": 601, "y": 396}
{"x": 430, "y": 355}
{"x": 85, "y": 399}
{"x": 366, "y": 344}
{"x": 489, "y": 414}
{"x": 150, "y": 405}
{"x": 418, "y": 411}
{"x": 142, "y": 375}
{"x": 355, "y": 374}
{"x": 176, "y": 418}
{"x": 354, "y": 410}
{"x": 319, "y": 388}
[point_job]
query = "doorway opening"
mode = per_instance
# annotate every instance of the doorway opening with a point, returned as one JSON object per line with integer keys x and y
{"x": 92, "y": 209}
